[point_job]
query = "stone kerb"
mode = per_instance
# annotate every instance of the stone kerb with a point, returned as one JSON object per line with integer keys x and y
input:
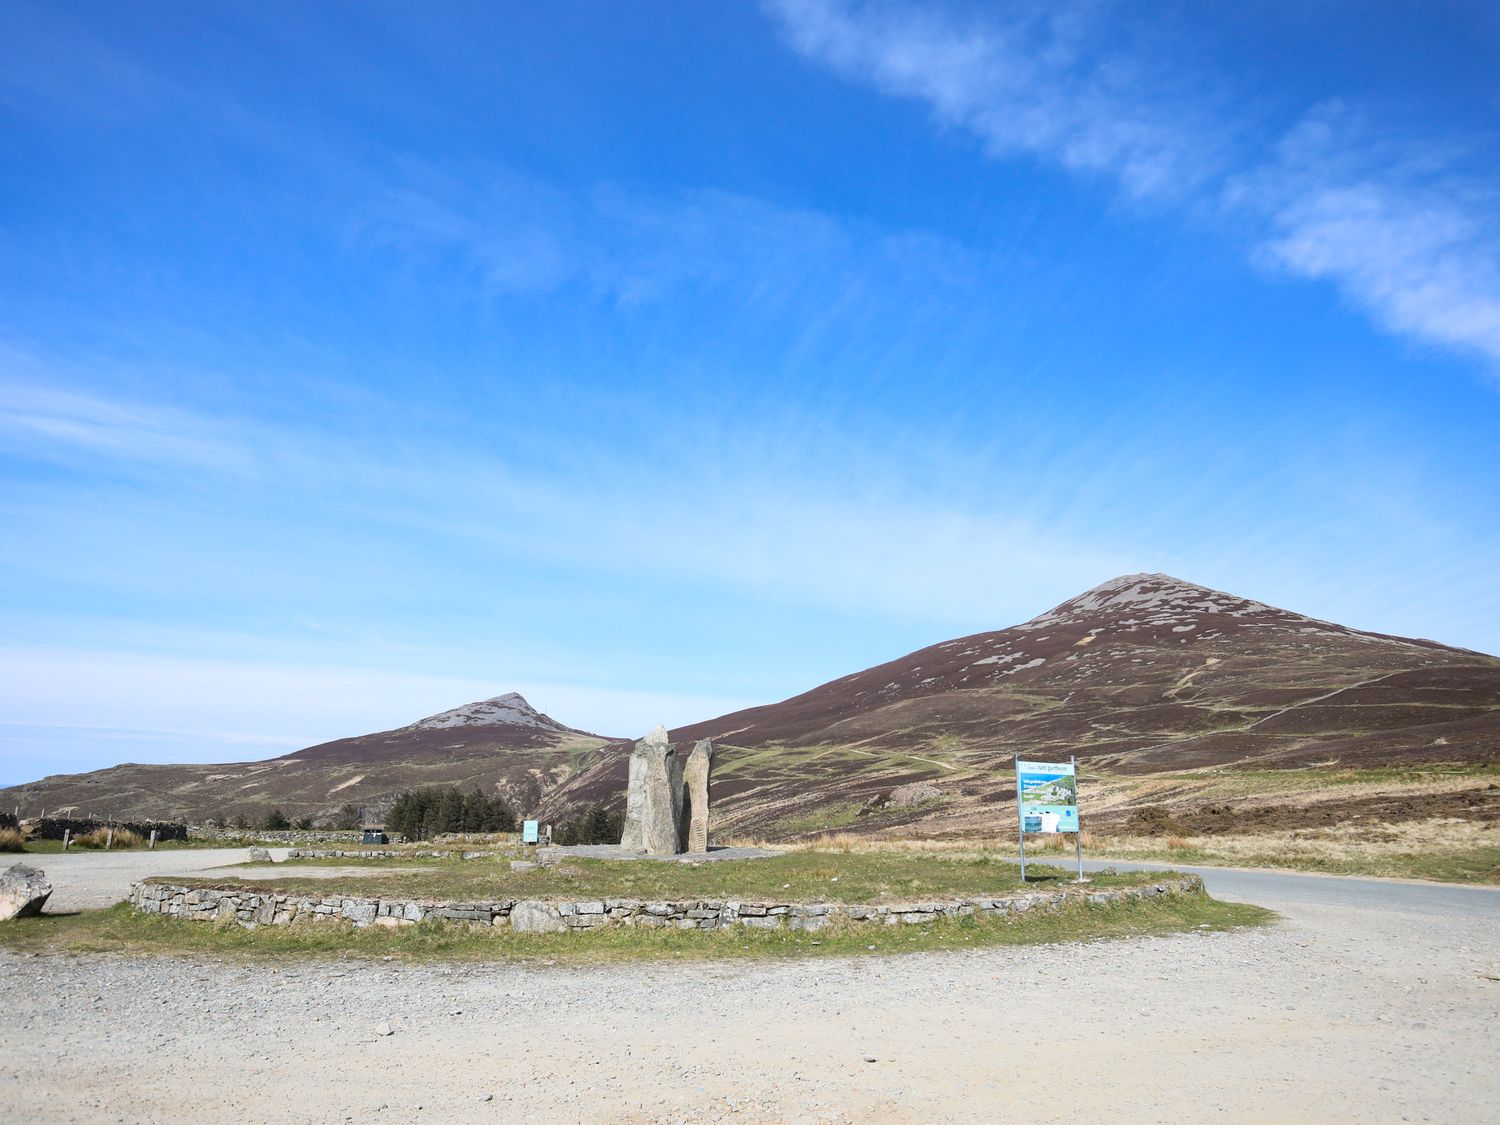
{"x": 250, "y": 908}
{"x": 364, "y": 853}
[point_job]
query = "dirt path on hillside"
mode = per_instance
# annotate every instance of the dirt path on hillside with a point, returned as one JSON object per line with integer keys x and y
{"x": 1338, "y": 1014}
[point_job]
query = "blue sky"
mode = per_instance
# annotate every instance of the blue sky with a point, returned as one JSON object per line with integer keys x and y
{"x": 360, "y": 360}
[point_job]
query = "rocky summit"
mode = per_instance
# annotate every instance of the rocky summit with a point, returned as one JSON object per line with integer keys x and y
{"x": 509, "y": 710}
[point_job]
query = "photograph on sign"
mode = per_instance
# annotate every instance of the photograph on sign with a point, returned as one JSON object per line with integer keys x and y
{"x": 1047, "y": 796}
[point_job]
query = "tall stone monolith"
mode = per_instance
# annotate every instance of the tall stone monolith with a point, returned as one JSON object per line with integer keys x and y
{"x": 653, "y": 802}
{"x": 700, "y": 766}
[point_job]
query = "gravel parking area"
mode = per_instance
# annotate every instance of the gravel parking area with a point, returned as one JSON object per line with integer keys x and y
{"x": 84, "y": 880}
{"x": 1337, "y": 1014}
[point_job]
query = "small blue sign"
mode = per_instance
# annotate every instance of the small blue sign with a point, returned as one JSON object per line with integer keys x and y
{"x": 530, "y": 832}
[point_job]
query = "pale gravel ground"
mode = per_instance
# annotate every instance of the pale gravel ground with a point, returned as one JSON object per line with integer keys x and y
{"x": 1337, "y": 1014}
{"x": 84, "y": 880}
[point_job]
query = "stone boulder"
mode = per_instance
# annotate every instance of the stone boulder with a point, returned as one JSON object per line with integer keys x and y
{"x": 23, "y": 891}
{"x": 259, "y": 855}
{"x": 536, "y": 918}
{"x": 917, "y": 793}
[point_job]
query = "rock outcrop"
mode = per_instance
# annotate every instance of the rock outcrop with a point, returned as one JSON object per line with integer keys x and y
{"x": 23, "y": 891}
{"x": 913, "y": 795}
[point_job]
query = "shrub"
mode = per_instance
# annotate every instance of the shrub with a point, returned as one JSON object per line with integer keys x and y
{"x": 275, "y": 821}
{"x": 1177, "y": 843}
{"x": 11, "y": 840}
{"x": 421, "y": 814}
{"x": 592, "y": 827}
{"x": 348, "y": 818}
{"x": 101, "y": 837}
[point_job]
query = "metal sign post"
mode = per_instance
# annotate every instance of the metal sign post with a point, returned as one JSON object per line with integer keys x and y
{"x": 1020, "y": 821}
{"x": 1078, "y": 835}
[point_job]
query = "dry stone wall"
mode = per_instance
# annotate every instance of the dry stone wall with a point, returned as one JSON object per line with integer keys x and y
{"x": 250, "y": 907}
{"x": 365, "y": 853}
{"x": 271, "y": 836}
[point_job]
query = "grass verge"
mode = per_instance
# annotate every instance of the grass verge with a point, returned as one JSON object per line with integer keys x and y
{"x": 122, "y": 930}
{"x": 802, "y": 876}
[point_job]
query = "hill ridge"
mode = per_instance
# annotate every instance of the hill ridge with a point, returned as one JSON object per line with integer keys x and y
{"x": 1142, "y": 674}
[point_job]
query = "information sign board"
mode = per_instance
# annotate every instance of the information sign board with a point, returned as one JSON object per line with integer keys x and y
{"x": 1047, "y": 802}
{"x": 530, "y": 831}
{"x": 1047, "y": 796}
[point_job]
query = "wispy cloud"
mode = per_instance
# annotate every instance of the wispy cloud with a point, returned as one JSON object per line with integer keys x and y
{"x": 1039, "y": 78}
{"x": 40, "y": 417}
{"x": 1402, "y": 234}
{"x": 519, "y": 237}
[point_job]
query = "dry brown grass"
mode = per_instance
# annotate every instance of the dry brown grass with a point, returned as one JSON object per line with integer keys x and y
{"x": 11, "y": 840}
{"x": 849, "y": 843}
{"x": 100, "y": 838}
{"x": 1437, "y": 848}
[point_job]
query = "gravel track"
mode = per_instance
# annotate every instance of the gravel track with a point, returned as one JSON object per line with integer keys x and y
{"x": 1339, "y": 1013}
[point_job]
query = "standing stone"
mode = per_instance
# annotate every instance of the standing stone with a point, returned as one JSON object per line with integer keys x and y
{"x": 700, "y": 766}
{"x": 23, "y": 891}
{"x": 653, "y": 803}
{"x": 635, "y": 802}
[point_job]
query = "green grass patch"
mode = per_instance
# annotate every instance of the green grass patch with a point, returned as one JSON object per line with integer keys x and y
{"x": 793, "y": 877}
{"x": 122, "y": 930}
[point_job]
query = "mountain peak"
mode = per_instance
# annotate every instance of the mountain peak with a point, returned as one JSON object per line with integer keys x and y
{"x": 508, "y": 710}
{"x": 1156, "y": 597}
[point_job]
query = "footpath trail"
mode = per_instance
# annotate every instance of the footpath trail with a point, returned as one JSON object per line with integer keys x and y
{"x": 1367, "y": 1003}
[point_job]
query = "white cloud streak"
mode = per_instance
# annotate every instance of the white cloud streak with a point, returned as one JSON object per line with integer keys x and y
{"x": 43, "y": 420}
{"x": 1404, "y": 237}
{"x": 1037, "y": 78}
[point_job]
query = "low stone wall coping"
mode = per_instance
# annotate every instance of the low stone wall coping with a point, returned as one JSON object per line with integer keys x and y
{"x": 251, "y": 907}
{"x": 367, "y": 853}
